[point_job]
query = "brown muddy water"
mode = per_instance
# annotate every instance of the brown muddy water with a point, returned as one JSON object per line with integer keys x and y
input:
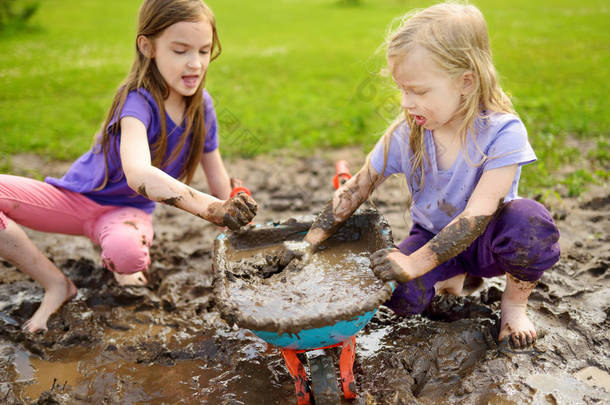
{"x": 167, "y": 344}
{"x": 255, "y": 290}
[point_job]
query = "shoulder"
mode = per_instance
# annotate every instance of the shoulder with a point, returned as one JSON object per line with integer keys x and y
{"x": 505, "y": 141}
{"x": 207, "y": 98}
{"x": 400, "y": 131}
{"x": 140, "y": 100}
{"x": 208, "y": 105}
{"x": 208, "y": 101}
{"x": 140, "y": 95}
{"x": 495, "y": 123}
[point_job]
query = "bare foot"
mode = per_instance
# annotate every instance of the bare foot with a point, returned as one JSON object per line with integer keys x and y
{"x": 134, "y": 279}
{"x": 54, "y": 297}
{"x": 515, "y": 322}
{"x": 517, "y": 325}
{"x": 452, "y": 285}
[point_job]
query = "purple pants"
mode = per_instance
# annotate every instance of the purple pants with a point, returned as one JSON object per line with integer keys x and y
{"x": 521, "y": 240}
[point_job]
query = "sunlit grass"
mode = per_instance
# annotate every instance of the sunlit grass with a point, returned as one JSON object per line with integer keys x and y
{"x": 301, "y": 75}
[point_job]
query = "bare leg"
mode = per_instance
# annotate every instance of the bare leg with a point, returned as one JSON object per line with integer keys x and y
{"x": 17, "y": 248}
{"x": 133, "y": 279}
{"x": 515, "y": 322}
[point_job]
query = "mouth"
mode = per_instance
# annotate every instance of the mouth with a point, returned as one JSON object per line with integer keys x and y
{"x": 419, "y": 119}
{"x": 190, "y": 81}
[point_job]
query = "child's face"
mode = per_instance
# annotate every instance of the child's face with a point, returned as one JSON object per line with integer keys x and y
{"x": 182, "y": 54}
{"x": 429, "y": 94}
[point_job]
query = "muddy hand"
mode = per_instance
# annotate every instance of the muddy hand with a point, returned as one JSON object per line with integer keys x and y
{"x": 385, "y": 264}
{"x": 238, "y": 211}
{"x": 292, "y": 251}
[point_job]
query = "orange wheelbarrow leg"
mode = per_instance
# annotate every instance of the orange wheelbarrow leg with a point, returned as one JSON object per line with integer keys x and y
{"x": 297, "y": 371}
{"x": 346, "y": 366}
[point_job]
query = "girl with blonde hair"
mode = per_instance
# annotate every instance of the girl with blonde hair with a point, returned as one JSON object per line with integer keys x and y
{"x": 160, "y": 127}
{"x": 461, "y": 147}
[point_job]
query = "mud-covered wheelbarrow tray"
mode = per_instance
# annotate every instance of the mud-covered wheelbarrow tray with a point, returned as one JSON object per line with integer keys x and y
{"x": 301, "y": 331}
{"x": 308, "y": 330}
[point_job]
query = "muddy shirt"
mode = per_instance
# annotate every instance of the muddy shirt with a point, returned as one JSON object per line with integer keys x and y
{"x": 88, "y": 172}
{"x": 501, "y": 140}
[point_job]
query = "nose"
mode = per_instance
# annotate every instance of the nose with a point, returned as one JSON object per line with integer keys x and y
{"x": 407, "y": 101}
{"x": 194, "y": 62}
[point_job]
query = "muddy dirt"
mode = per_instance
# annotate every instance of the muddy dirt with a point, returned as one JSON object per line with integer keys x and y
{"x": 255, "y": 290}
{"x": 166, "y": 343}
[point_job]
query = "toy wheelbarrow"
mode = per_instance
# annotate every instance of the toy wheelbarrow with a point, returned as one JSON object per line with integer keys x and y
{"x": 305, "y": 310}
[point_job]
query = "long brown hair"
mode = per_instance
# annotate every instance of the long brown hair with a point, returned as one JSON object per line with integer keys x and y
{"x": 154, "y": 17}
{"x": 456, "y": 36}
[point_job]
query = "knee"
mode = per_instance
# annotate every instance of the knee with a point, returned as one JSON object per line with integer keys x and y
{"x": 124, "y": 254}
{"x": 527, "y": 239}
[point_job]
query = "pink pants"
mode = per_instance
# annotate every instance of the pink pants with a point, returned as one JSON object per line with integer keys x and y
{"x": 123, "y": 233}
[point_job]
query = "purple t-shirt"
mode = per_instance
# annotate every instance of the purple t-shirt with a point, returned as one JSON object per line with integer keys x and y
{"x": 88, "y": 172}
{"x": 501, "y": 137}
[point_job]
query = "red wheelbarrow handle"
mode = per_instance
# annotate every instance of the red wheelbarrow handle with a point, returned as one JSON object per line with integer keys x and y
{"x": 342, "y": 174}
{"x": 238, "y": 187}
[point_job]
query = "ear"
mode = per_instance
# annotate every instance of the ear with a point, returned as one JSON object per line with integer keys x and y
{"x": 145, "y": 46}
{"x": 467, "y": 83}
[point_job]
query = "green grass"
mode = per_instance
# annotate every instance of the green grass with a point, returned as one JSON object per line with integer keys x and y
{"x": 302, "y": 75}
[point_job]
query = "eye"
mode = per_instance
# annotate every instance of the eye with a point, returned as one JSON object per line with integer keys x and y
{"x": 204, "y": 52}
{"x": 178, "y": 51}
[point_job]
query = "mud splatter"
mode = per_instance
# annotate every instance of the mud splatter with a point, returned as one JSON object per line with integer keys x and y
{"x": 172, "y": 201}
{"x": 142, "y": 191}
{"x": 447, "y": 208}
{"x": 131, "y": 223}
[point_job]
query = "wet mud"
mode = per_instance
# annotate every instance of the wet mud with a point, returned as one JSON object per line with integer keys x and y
{"x": 255, "y": 290}
{"x": 167, "y": 342}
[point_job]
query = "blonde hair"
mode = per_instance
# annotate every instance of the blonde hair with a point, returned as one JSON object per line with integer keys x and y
{"x": 154, "y": 17}
{"x": 456, "y": 36}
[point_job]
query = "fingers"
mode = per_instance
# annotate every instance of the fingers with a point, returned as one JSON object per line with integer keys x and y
{"x": 287, "y": 256}
{"x": 232, "y": 222}
{"x": 240, "y": 210}
{"x": 381, "y": 256}
{"x": 384, "y": 272}
{"x": 249, "y": 201}
{"x": 235, "y": 182}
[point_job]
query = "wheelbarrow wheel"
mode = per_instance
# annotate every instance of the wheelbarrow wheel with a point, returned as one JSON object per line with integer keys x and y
{"x": 324, "y": 380}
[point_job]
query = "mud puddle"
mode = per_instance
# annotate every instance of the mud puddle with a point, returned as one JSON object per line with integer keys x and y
{"x": 167, "y": 343}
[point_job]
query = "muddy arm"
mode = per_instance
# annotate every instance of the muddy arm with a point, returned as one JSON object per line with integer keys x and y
{"x": 345, "y": 201}
{"x": 484, "y": 202}
{"x": 156, "y": 185}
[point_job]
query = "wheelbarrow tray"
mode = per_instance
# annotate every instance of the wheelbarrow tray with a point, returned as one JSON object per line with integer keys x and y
{"x": 327, "y": 323}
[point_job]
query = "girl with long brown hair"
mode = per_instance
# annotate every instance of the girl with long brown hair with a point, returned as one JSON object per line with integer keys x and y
{"x": 160, "y": 127}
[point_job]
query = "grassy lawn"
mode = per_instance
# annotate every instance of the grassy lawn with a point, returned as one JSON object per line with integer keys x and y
{"x": 304, "y": 74}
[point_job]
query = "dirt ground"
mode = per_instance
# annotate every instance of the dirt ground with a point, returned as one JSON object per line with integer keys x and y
{"x": 167, "y": 344}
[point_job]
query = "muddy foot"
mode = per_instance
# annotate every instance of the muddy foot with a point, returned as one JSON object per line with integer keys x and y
{"x": 53, "y": 299}
{"x": 516, "y": 325}
{"x": 137, "y": 279}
